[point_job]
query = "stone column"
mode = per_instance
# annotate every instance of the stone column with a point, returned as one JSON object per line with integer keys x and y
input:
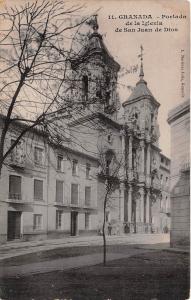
{"x": 122, "y": 171}
{"x": 130, "y": 152}
{"x": 122, "y": 133}
{"x": 148, "y": 164}
{"x": 148, "y": 159}
{"x": 130, "y": 204}
{"x": 142, "y": 193}
{"x": 142, "y": 144}
{"x": 121, "y": 202}
{"x": 148, "y": 207}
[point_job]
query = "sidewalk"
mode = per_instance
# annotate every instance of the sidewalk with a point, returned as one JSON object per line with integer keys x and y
{"x": 13, "y": 249}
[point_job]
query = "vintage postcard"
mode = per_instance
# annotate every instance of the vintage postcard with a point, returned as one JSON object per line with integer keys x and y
{"x": 94, "y": 149}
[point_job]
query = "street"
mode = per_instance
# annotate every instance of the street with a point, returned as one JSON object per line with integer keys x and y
{"x": 141, "y": 271}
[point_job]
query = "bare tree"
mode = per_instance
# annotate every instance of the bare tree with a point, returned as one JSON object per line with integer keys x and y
{"x": 36, "y": 48}
{"x": 110, "y": 175}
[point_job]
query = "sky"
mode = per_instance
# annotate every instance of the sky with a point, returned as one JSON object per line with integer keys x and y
{"x": 166, "y": 54}
{"x": 163, "y": 51}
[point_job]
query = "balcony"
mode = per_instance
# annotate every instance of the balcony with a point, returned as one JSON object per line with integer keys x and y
{"x": 17, "y": 159}
{"x": 17, "y": 198}
{"x": 78, "y": 206}
{"x": 165, "y": 210}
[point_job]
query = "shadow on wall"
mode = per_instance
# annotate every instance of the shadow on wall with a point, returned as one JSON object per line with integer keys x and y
{"x": 180, "y": 208}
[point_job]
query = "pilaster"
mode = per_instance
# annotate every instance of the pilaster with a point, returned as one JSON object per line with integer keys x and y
{"x": 142, "y": 193}
{"x": 130, "y": 203}
{"x": 130, "y": 158}
{"x": 142, "y": 174}
{"x": 148, "y": 206}
{"x": 121, "y": 202}
{"x": 148, "y": 165}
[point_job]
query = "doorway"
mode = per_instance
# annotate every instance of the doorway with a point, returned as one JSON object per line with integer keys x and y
{"x": 14, "y": 225}
{"x": 74, "y": 223}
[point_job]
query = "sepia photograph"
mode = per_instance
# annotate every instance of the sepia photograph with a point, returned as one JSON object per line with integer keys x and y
{"x": 94, "y": 150}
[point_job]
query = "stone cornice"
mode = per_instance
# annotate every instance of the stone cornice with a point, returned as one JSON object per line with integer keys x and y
{"x": 92, "y": 116}
{"x": 152, "y": 99}
{"x": 178, "y": 111}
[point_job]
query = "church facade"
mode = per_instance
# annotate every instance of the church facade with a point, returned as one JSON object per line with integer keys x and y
{"x": 52, "y": 190}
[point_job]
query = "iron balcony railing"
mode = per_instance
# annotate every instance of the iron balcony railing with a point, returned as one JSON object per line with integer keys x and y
{"x": 15, "y": 196}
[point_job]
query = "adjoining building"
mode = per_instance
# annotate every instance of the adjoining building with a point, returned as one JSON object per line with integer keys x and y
{"x": 53, "y": 189}
{"x": 179, "y": 120}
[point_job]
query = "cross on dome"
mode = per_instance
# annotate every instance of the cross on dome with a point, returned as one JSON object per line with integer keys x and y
{"x": 95, "y": 24}
{"x": 141, "y": 75}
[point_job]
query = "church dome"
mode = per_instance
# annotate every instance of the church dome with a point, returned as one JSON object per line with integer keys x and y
{"x": 95, "y": 45}
{"x": 141, "y": 90}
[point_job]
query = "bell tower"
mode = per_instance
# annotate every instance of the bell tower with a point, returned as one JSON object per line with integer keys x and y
{"x": 142, "y": 152}
{"x": 141, "y": 109}
{"x": 95, "y": 72}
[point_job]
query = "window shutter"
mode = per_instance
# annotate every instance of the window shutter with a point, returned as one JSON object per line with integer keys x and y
{"x": 59, "y": 191}
{"x": 58, "y": 219}
{"x": 37, "y": 222}
{"x": 87, "y": 220}
{"x": 87, "y": 195}
{"x": 38, "y": 189}
{"x": 15, "y": 186}
{"x": 74, "y": 167}
{"x": 74, "y": 193}
{"x": 88, "y": 167}
{"x": 59, "y": 162}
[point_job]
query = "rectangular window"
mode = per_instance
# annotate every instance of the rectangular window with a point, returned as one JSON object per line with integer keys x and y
{"x": 58, "y": 219}
{"x": 161, "y": 178}
{"x": 59, "y": 163}
{"x": 37, "y": 222}
{"x": 38, "y": 190}
{"x": 87, "y": 196}
{"x": 88, "y": 168}
{"x": 74, "y": 193}
{"x": 59, "y": 191}
{"x": 15, "y": 187}
{"x": 74, "y": 167}
{"x": 38, "y": 155}
{"x": 87, "y": 221}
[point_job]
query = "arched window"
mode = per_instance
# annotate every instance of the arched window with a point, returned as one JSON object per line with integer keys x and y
{"x": 107, "y": 81}
{"x": 85, "y": 88}
{"x": 108, "y": 93}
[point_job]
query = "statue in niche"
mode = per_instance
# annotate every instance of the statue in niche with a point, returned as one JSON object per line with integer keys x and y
{"x": 155, "y": 126}
{"x": 134, "y": 118}
{"x": 155, "y": 161}
{"x": 147, "y": 123}
{"x": 137, "y": 160}
{"x": 19, "y": 155}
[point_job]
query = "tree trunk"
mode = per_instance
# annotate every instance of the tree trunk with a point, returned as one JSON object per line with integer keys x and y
{"x": 7, "y": 120}
{"x": 2, "y": 142}
{"x": 104, "y": 237}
